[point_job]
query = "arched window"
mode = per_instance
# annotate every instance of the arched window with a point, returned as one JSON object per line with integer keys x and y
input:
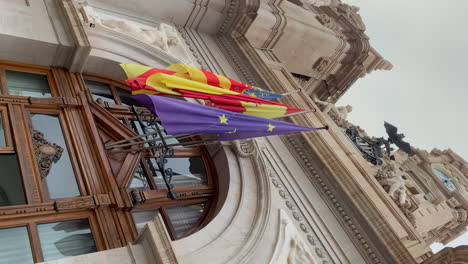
{"x": 193, "y": 173}
{"x": 444, "y": 179}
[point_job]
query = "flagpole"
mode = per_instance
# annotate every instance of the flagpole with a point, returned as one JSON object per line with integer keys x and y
{"x": 186, "y": 144}
{"x": 131, "y": 138}
{"x": 115, "y": 145}
{"x": 297, "y": 113}
{"x": 292, "y": 92}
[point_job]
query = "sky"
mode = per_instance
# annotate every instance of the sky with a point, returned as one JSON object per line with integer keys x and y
{"x": 425, "y": 94}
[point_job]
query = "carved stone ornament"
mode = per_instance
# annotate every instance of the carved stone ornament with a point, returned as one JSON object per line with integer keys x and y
{"x": 162, "y": 36}
{"x": 290, "y": 248}
{"x": 322, "y": 63}
{"x": 327, "y": 21}
{"x": 351, "y": 12}
{"x": 246, "y": 148}
{"x": 46, "y": 153}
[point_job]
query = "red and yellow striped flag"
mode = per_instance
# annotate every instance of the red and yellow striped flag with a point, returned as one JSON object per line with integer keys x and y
{"x": 195, "y": 84}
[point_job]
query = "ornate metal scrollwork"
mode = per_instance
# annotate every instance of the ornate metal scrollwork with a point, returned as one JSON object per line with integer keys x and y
{"x": 46, "y": 153}
{"x": 369, "y": 148}
{"x": 149, "y": 125}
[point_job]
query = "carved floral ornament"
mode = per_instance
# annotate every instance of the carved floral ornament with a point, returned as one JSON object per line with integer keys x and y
{"x": 46, "y": 153}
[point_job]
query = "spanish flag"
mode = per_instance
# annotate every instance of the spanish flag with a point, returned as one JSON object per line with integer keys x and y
{"x": 154, "y": 81}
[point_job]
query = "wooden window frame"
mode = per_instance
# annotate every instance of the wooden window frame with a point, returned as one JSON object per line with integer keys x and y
{"x": 32, "y": 222}
{"x": 45, "y": 71}
{"x": 70, "y": 147}
{"x": 8, "y": 149}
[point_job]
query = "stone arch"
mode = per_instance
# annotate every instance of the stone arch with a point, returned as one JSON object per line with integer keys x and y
{"x": 235, "y": 232}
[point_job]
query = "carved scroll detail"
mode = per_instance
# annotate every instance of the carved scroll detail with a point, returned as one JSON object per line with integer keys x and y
{"x": 46, "y": 153}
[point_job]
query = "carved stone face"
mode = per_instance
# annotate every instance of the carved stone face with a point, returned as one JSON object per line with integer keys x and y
{"x": 349, "y": 108}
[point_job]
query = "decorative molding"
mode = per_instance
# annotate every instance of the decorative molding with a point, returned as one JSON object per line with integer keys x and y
{"x": 328, "y": 22}
{"x": 46, "y": 153}
{"x": 290, "y": 248}
{"x": 322, "y": 64}
{"x": 192, "y": 48}
{"x": 331, "y": 195}
{"x": 75, "y": 203}
{"x": 297, "y": 215}
{"x": 246, "y": 148}
{"x": 64, "y": 101}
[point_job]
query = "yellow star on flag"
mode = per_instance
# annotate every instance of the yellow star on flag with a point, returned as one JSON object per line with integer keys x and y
{"x": 270, "y": 127}
{"x": 253, "y": 94}
{"x": 223, "y": 119}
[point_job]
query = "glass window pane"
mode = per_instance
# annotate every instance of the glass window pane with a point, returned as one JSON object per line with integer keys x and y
{"x": 183, "y": 218}
{"x": 139, "y": 179}
{"x": 15, "y": 247}
{"x": 142, "y": 218}
{"x": 187, "y": 172}
{"x": 61, "y": 181}
{"x": 100, "y": 90}
{"x": 126, "y": 97}
{"x": 2, "y": 132}
{"x": 64, "y": 239}
{"x": 27, "y": 84}
{"x": 11, "y": 184}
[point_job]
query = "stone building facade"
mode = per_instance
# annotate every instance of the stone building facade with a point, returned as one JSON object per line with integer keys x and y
{"x": 299, "y": 198}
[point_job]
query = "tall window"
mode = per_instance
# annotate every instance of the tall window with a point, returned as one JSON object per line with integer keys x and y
{"x": 193, "y": 174}
{"x": 38, "y": 170}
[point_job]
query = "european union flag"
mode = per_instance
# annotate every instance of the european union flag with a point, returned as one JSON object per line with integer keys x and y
{"x": 181, "y": 117}
{"x": 261, "y": 93}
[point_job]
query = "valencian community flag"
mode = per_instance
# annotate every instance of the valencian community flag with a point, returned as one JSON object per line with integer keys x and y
{"x": 164, "y": 82}
{"x": 181, "y": 117}
{"x": 201, "y": 76}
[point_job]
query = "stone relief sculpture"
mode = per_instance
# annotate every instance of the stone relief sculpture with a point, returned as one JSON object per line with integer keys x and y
{"x": 396, "y": 183}
{"x": 162, "y": 36}
{"x": 290, "y": 248}
{"x": 338, "y": 114}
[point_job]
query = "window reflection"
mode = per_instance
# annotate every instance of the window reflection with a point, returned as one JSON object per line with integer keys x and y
{"x": 61, "y": 181}
{"x": 15, "y": 246}
{"x": 183, "y": 218}
{"x": 2, "y": 132}
{"x": 100, "y": 90}
{"x": 186, "y": 172}
{"x": 27, "y": 84}
{"x": 64, "y": 239}
{"x": 139, "y": 179}
{"x": 11, "y": 184}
